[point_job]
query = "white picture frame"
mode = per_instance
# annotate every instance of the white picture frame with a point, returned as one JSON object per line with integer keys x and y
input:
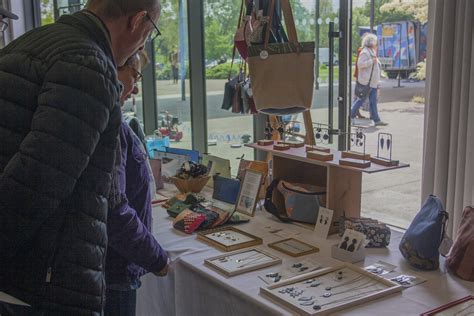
{"x": 249, "y": 192}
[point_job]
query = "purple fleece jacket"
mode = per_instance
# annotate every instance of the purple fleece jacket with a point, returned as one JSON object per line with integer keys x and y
{"x": 132, "y": 249}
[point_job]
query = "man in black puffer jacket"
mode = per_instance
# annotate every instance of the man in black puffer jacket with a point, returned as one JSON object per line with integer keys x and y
{"x": 59, "y": 124}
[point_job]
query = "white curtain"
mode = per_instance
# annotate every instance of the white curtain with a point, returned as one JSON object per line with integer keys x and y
{"x": 448, "y": 162}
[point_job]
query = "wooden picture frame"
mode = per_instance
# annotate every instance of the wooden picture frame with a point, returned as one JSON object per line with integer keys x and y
{"x": 248, "y": 240}
{"x": 453, "y": 308}
{"x": 255, "y": 256}
{"x": 332, "y": 303}
{"x": 287, "y": 245}
{"x": 249, "y": 192}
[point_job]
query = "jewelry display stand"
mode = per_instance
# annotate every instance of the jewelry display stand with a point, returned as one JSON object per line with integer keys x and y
{"x": 329, "y": 290}
{"x": 281, "y": 147}
{"x": 318, "y": 148}
{"x": 384, "y": 151}
{"x": 347, "y": 256}
{"x": 319, "y": 155}
{"x": 242, "y": 261}
{"x": 293, "y": 247}
{"x": 292, "y": 144}
{"x": 354, "y": 158}
{"x": 266, "y": 142}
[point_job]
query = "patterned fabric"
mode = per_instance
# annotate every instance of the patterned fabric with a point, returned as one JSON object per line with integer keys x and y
{"x": 192, "y": 222}
{"x": 377, "y": 233}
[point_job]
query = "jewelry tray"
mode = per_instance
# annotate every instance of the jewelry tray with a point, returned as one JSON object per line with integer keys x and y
{"x": 242, "y": 261}
{"x": 356, "y": 286}
{"x": 222, "y": 238}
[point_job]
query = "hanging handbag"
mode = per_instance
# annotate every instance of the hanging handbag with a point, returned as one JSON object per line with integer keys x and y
{"x": 460, "y": 259}
{"x": 282, "y": 74}
{"x": 420, "y": 243}
{"x": 362, "y": 91}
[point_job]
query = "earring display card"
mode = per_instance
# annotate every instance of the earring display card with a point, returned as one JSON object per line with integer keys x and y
{"x": 461, "y": 307}
{"x": 380, "y": 268}
{"x": 407, "y": 280}
{"x": 242, "y": 261}
{"x": 291, "y": 270}
{"x": 329, "y": 290}
{"x": 323, "y": 222}
{"x": 293, "y": 247}
{"x": 351, "y": 240}
{"x": 229, "y": 238}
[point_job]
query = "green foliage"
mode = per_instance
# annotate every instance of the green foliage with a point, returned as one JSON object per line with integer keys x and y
{"x": 47, "y": 12}
{"x": 221, "y": 71}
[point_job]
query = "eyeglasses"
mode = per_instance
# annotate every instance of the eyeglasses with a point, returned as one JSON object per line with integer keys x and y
{"x": 3, "y": 26}
{"x": 156, "y": 32}
{"x": 138, "y": 75}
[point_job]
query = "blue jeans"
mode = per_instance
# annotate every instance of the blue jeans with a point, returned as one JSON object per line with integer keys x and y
{"x": 374, "y": 114}
{"x": 121, "y": 299}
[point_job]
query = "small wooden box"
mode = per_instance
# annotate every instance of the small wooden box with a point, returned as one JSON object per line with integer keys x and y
{"x": 355, "y": 155}
{"x": 384, "y": 162}
{"x": 355, "y": 163}
{"x": 265, "y": 142}
{"x": 319, "y": 155}
{"x": 281, "y": 147}
{"x": 292, "y": 144}
{"x": 318, "y": 148}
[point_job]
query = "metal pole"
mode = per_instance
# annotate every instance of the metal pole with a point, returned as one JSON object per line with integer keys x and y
{"x": 317, "y": 16}
{"x": 182, "y": 49}
{"x": 331, "y": 81}
{"x": 372, "y": 15}
{"x": 150, "y": 103}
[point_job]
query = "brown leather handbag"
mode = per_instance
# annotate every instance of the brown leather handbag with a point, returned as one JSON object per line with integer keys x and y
{"x": 461, "y": 257}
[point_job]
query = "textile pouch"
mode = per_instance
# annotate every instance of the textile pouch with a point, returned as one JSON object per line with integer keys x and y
{"x": 229, "y": 92}
{"x": 225, "y": 189}
{"x": 301, "y": 201}
{"x": 282, "y": 74}
{"x": 420, "y": 243}
{"x": 460, "y": 260}
{"x": 378, "y": 234}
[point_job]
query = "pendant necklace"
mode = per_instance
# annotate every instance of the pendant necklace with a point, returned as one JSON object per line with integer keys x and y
{"x": 318, "y": 307}
{"x": 360, "y": 287}
{"x": 254, "y": 261}
{"x": 329, "y": 288}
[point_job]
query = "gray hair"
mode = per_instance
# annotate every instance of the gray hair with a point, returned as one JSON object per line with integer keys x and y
{"x": 119, "y": 8}
{"x": 369, "y": 40}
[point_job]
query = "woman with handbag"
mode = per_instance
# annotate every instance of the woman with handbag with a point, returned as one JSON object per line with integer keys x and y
{"x": 368, "y": 78}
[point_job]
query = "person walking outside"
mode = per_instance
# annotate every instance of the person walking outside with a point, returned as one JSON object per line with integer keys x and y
{"x": 369, "y": 72}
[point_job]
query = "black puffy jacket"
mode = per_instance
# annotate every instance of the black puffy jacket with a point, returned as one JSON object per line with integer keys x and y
{"x": 59, "y": 124}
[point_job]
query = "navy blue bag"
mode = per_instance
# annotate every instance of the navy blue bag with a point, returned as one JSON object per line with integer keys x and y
{"x": 420, "y": 243}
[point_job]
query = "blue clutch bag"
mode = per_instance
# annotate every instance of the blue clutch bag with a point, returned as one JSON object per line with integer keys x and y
{"x": 225, "y": 189}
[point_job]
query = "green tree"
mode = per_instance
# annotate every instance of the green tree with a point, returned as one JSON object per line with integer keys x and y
{"x": 47, "y": 12}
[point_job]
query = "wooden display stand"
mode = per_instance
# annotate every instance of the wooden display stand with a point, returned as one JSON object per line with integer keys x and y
{"x": 355, "y": 155}
{"x": 319, "y": 155}
{"x": 384, "y": 162}
{"x": 343, "y": 183}
{"x": 317, "y": 148}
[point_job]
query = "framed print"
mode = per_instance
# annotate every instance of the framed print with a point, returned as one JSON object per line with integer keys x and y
{"x": 249, "y": 191}
{"x": 229, "y": 238}
{"x": 329, "y": 290}
{"x": 242, "y": 261}
{"x": 461, "y": 307}
{"x": 293, "y": 247}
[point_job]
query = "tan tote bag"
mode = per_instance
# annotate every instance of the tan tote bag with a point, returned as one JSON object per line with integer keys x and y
{"x": 282, "y": 74}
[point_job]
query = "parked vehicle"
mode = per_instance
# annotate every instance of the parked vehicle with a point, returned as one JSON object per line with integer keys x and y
{"x": 402, "y": 45}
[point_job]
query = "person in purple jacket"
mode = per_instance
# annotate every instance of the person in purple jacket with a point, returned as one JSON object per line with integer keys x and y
{"x": 132, "y": 251}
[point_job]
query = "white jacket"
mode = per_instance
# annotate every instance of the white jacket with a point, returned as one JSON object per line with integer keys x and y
{"x": 365, "y": 63}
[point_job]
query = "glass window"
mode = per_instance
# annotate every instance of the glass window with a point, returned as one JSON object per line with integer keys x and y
{"x": 227, "y": 132}
{"x": 47, "y": 12}
{"x": 172, "y": 74}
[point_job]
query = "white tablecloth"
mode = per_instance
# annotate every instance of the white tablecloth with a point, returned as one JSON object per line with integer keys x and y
{"x": 194, "y": 289}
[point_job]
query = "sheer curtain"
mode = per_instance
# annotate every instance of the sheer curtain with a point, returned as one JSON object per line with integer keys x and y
{"x": 448, "y": 168}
